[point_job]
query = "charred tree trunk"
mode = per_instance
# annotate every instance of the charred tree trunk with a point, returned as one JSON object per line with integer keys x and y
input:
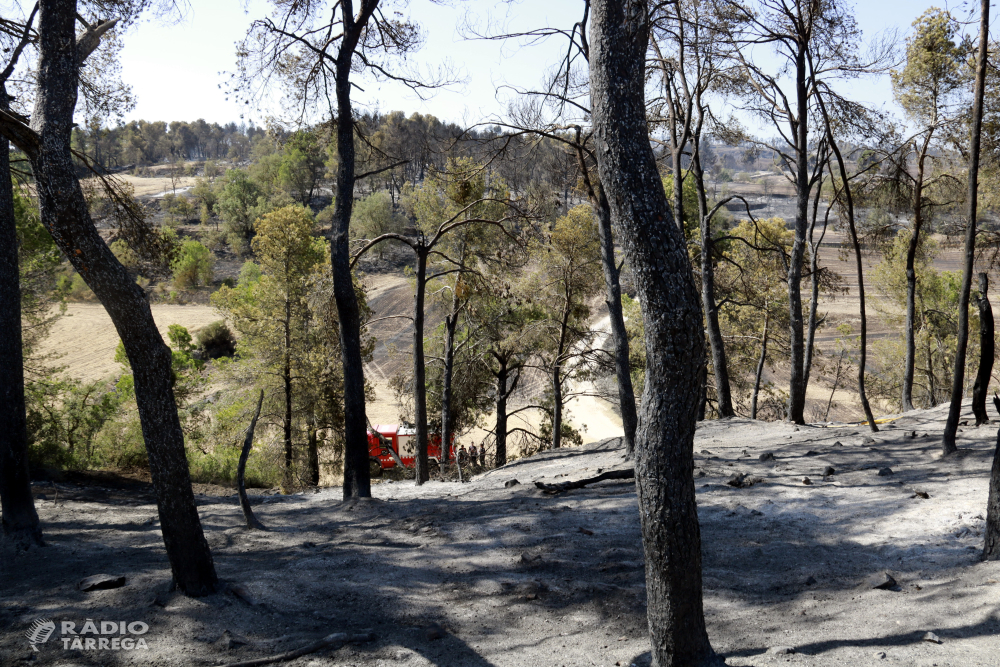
{"x": 814, "y": 269}
{"x": 986, "y": 352}
{"x": 797, "y": 382}
{"x": 958, "y": 378}
{"x": 357, "y": 480}
{"x": 557, "y": 395}
{"x": 720, "y": 366}
{"x": 501, "y": 427}
{"x": 241, "y": 468}
{"x": 286, "y": 421}
{"x": 991, "y": 550}
{"x": 450, "y": 324}
{"x": 909, "y": 363}
{"x": 65, "y": 214}
{"x": 859, "y": 268}
{"x": 312, "y": 448}
{"x": 419, "y": 373}
{"x": 674, "y": 337}
{"x": 613, "y": 299}
{"x": 20, "y": 520}
{"x": 760, "y": 368}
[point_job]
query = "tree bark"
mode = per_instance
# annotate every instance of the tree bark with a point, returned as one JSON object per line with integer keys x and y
{"x": 450, "y": 323}
{"x": 797, "y": 382}
{"x": 20, "y": 520}
{"x": 991, "y": 549}
{"x": 986, "y": 352}
{"x": 357, "y": 480}
{"x": 286, "y": 421}
{"x": 961, "y": 344}
{"x": 557, "y": 396}
{"x": 419, "y": 373}
{"x": 674, "y": 337}
{"x": 613, "y": 299}
{"x": 760, "y": 368}
{"x": 312, "y": 447}
{"x": 241, "y": 468}
{"x": 858, "y": 265}
{"x": 65, "y": 214}
{"x": 909, "y": 363}
{"x": 501, "y": 426}
{"x": 720, "y": 366}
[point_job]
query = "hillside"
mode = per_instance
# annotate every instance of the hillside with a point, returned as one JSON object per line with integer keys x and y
{"x": 453, "y": 574}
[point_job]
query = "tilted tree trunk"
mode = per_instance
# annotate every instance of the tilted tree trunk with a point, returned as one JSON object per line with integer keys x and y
{"x": 991, "y": 549}
{"x": 812, "y": 323}
{"x": 419, "y": 373}
{"x": 241, "y": 468}
{"x": 720, "y": 366}
{"x": 909, "y": 364}
{"x": 859, "y": 268}
{"x": 357, "y": 480}
{"x": 987, "y": 350}
{"x": 613, "y": 299}
{"x": 20, "y": 520}
{"x": 675, "y": 342}
{"x": 65, "y": 214}
{"x": 760, "y": 367}
{"x": 962, "y": 341}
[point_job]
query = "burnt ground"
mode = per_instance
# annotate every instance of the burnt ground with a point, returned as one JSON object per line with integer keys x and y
{"x": 474, "y": 574}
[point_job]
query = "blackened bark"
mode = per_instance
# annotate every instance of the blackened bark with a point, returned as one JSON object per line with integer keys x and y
{"x": 20, "y": 520}
{"x": 419, "y": 373}
{"x": 814, "y": 274}
{"x": 991, "y": 549}
{"x": 962, "y": 339}
{"x": 675, "y": 344}
{"x": 241, "y": 469}
{"x": 909, "y": 364}
{"x": 65, "y": 214}
{"x": 501, "y": 426}
{"x": 286, "y": 421}
{"x": 859, "y": 268}
{"x": 613, "y": 299}
{"x": 450, "y": 324}
{"x": 720, "y": 366}
{"x": 312, "y": 451}
{"x": 986, "y": 352}
{"x": 760, "y": 368}
{"x": 357, "y": 480}
{"x": 797, "y": 382}
{"x": 557, "y": 395}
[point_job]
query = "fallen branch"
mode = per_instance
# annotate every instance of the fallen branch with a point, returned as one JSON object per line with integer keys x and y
{"x": 626, "y": 473}
{"x": 241, "y": 487}
{"x": 336, "y": 640}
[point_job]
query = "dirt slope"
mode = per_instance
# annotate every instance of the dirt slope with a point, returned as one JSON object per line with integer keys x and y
{"x": 86, "y": 338}
{"x": 514, "y": 577}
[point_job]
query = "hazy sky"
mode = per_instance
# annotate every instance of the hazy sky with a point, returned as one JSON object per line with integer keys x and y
{"x": 176, "y": 70}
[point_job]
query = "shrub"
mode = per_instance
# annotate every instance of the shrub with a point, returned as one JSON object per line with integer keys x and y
{"x": 216, "y": 340}
{"x": 193, "y": 265}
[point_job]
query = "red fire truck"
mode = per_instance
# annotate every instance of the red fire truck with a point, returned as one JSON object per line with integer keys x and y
{"x": 403, "y": 440}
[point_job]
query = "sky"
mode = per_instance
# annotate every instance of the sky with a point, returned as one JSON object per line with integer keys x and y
{"x": 177, "y": 70}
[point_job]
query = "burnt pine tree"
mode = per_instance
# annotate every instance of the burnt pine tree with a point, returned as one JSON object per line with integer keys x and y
{"x": 675, "y": 344}
{"x": 65, "y": 214}
{"x": 313, "y": 49}
{"x": 20, "y": 520}
{"x": 987, "y": 349}
{"x": 962, "y": 342}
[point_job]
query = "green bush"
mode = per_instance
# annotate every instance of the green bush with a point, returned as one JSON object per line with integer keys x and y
{"x": 216, "y": 340}
{"x": 193, "y": 265}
